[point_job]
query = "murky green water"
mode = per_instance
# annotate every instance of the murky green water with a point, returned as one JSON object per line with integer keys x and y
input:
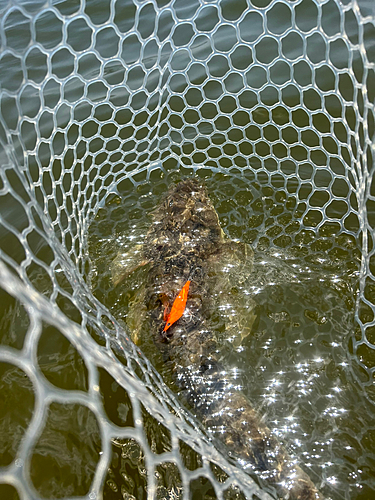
{"x": 295, "y": 367}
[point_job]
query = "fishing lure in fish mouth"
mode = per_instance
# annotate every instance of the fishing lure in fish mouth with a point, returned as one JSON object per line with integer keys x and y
{"x": 178, "y": 306}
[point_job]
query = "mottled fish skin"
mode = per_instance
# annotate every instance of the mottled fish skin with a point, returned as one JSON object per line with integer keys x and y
{"x": 185, "y": 242}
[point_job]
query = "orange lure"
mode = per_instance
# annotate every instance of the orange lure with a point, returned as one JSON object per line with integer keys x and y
{"x": 178, "y": 307}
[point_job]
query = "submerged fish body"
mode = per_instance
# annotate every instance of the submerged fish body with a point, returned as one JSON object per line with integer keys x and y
{"x": 186, "y": 243}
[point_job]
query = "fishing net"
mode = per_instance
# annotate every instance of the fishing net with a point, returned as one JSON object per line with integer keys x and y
{"x": 104, "y": 102}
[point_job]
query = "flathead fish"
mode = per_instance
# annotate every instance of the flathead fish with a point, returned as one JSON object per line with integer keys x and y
{"x": 191, "y": 269}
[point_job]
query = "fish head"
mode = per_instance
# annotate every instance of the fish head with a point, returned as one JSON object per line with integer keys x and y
{"x": 185, "y": 222}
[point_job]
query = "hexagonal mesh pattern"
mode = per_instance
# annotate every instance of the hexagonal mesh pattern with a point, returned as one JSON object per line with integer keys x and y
{"x": 112, "y": 96}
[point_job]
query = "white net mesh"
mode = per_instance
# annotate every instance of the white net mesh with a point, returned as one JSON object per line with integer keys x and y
{"x": 273, "y": 102}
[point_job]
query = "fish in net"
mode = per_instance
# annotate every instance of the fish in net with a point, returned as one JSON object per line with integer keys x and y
{"x": 102, "y": 107}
